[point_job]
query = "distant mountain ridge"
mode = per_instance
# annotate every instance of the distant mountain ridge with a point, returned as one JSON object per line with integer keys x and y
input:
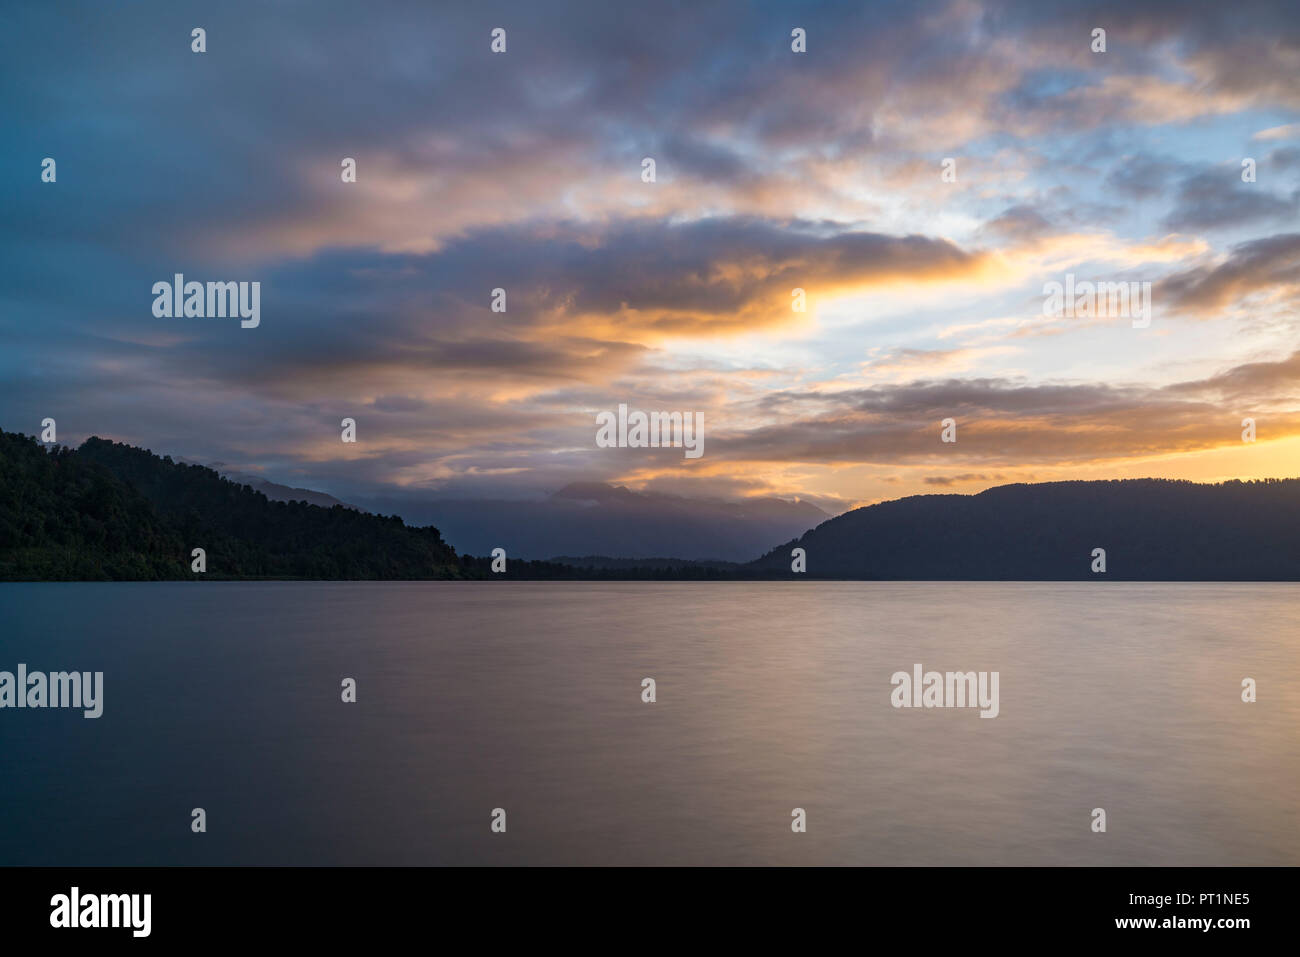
{"x": 111, "y": 511}
{"x": 595, "y": 518}
{"x": 1150, "y": 529}
{"x": 280, "y": 493}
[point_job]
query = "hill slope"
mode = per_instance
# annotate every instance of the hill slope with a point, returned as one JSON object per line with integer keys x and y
{"x": 1151, "y": 529}
{"x": 111, "y": 511}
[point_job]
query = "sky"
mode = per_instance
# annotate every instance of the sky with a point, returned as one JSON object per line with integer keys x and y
{"x": 821, "y": 170}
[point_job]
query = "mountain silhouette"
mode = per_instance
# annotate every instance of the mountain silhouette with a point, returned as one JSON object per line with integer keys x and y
{"x": 277, "y": 492}
{"x": 1150, "y": 530}
{"x": 111, "y": 511}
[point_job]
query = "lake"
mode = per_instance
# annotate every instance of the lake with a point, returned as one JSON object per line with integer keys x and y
{"x": 527, "y": 696}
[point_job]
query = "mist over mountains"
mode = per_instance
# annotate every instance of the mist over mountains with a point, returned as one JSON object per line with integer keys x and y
{"x": 594, "y": 518}
{"x": 584, "y": 519}
{"x": 275, "y": 491}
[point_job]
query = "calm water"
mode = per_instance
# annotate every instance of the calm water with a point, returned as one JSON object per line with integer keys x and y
{"x": 526, "y": 696}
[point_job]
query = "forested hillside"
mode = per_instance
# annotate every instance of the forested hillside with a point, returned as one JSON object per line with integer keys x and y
{"x": 111, "y": 511}
{"x": 1149, "y": 529}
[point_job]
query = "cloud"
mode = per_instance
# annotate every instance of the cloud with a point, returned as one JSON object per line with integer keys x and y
{"x": 903, "y": 364}
{"x": 1018, "y": 223}
{"x": 521, "y": 171}
{"x": 962, "y": 479}
{"x": 1014, "y": 424}
{"x": 1285, "y": 132}
{"x": 1144, "y": 176}
{"x": 1217, "y": 198}
{"x": 1270, "y": 265}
